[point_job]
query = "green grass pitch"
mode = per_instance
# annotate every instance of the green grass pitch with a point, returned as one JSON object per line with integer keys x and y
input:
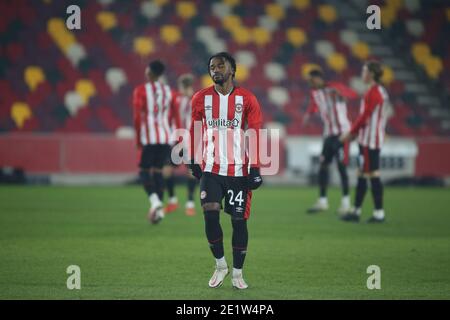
{"x": 291, "y": 255}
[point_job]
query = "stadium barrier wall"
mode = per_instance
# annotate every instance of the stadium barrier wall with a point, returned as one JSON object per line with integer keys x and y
{"x": 85, "y": 154}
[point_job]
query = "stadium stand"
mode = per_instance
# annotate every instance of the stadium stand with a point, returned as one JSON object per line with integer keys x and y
{"x": 56, "y": 80}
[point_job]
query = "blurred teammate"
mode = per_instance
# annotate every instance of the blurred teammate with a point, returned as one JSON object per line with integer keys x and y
{"x": 152, "y": 114}
{"x": 227, "y": 170}
{"x": 183, "y": 106}
{"x": 330, "y": 103}
{"x": 370, "y": 129}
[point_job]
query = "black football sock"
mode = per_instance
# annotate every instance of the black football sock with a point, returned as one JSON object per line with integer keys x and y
{"x": 159, "y": 184}
{"x": 239, "y": 242}
{"x": 147, "y": 182}
{"x": 214, "y": 233}
{"x": 191, "y": 183}
{"x": 377, "y": 192}
{"x": 323, "y": 180}
{"x": 344, "y": 178}
{"x": 361, "y": 188}
{"x": 170, "y": 184}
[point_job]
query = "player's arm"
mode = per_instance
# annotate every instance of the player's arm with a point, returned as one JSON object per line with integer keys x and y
{"x": 254, "y": 122}
{"x": 373, "y": 100}
{"x": 138, "y": 105}
{"x": 312, "y": 108}
{"x": 195, "y": 135}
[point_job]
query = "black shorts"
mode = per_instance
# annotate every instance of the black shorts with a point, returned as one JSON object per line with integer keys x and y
{"x": 329, "y": 151}
{"x": 369, "y": 159}
{"x": 215, "y": 188}
{"x": 154, "y": 156}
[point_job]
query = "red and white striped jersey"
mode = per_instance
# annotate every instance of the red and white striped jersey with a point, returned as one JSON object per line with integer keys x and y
{"x": 224, "y": 121}
{"x": 184, "y": 109}
{"x": 153, "y": 113}
{"x": 371, "y": 123}
{"x": 332, "y": 108}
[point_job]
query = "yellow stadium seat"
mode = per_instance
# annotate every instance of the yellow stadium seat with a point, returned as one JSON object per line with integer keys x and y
{"x": 34, "y": 76}
{"x": 170, "y": 34}
{"x": 301, "y": 4}
{"x": 388, "y": 16}
{"x": 106, "y": 20}
{"x": 143, "y": 46}
{"x": 231, "y": 23}
{"x": 388, "y": 75}
{"x": 396, "y": 4}
{"x": 186, "y": 9}
{"x": 242, "y": 72}
{"x": 307, "y": 67}
{"x": 20, "y": 112}
{"x": 241, "y": 35}
{"x": 361, "y": 50}
{"x": 337, "y": 62}
{"x": 433, "y": 66}
{"x": 296, "y": 37}
{"x": 231, "y": 3}
{"x": 206, "y": 81}
{"x": 275, "y": 11}
{"x": 420, "y": 51}
{"x": 161, "y": 3}
{"x": 327, "y": 13}
{"x": 85, "y": 88}
{"x": 59, "y": 33}
{"x": 261, "y": 36}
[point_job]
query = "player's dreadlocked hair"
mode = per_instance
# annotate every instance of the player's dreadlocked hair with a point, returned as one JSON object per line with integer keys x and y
{"x": 376, "y": 69}
{"x": 156, "y": 67}
{"x": 226, "y": 56}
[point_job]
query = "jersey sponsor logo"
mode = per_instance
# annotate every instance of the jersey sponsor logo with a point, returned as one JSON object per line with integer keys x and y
{"x": 218, "y": 122}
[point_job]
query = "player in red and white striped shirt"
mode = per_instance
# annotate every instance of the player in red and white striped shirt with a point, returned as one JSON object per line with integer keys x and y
{"x": 229, "y": 168}
{"x": 370, "y": 130}
{"x": 183, "y": 107}
{"x": 153, "y": 113}
{"x": 329, "y": 101}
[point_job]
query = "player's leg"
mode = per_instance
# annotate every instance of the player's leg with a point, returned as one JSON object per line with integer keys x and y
{"x": 342, "y": 162}
{"x": 169, "y": 179}
{"x": 211, "y": 195}
{"x": 237, "y": 204}
{"x": 376, "y": 187}
{"x": 361, "y": 185}
{"x": 190, "y": 204}
{"x": 158, "y": 159}
{"x": 325, "y": 159}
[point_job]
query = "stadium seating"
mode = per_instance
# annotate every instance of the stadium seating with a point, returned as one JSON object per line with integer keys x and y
{"x": 56, "y": 80}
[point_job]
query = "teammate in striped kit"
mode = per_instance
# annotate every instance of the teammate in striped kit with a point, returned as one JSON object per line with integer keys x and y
{"x": 153, "y": 112}
{"x": 370, "y": 130}
{"x": 227, "y": 168}
{"x": 332, "y": 107}
{"x": 183, "y": 107}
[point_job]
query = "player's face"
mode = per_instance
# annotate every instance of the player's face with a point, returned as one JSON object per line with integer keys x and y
{"x": 315, "y": 82}
{"x": 187, "y": 91}
{"x": 365, "y": 74}
{"x": 220, "y": 70}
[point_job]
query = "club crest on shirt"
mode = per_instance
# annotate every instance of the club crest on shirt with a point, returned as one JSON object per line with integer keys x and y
{"x": 238, "y": 108}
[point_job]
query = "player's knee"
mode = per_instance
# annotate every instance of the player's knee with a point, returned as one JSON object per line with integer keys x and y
{"x": 211, "y": 206}
{"x": 374, "y": 174}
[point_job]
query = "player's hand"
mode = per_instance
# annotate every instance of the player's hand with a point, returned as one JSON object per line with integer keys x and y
{"x": 254, "y": 179}
{"x": 345, "y": 137}
{"x": 196, "y": 170}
